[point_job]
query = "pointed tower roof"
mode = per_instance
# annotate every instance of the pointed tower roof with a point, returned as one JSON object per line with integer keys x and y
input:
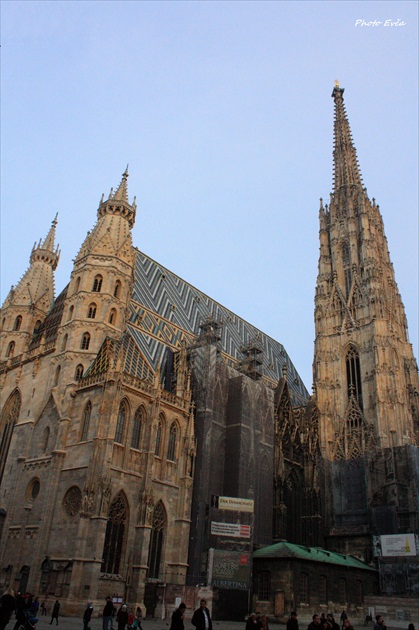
{"x": 50, "y": 238}
{"x": 36, "y": 287}
{"x": 346, "y": 170}
{"x": 118, "y": 203}
{"x": 111, "y": 236}
{"x": 44, "y": 251}
{"x": 122, "y": 191}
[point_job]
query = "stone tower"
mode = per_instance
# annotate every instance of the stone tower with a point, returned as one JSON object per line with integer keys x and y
{"x": 100, "y": 287}
{"x": 27, "y": 304}
{"x": 364, "y": 370}
{"x": 365, "y": 374}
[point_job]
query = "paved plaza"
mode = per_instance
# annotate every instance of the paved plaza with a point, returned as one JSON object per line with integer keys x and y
{"x": 73, "y": 623}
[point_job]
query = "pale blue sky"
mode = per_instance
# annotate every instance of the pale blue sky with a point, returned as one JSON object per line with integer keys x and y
{"x": 223, "y": 111}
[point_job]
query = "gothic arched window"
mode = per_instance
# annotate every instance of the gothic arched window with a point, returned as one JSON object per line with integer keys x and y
{"x": 353, "y": 375}
{"x": 304, "y": 590}
{"x": 86, "y": 421}
{"x": 112, "y": 317}
{"x": 293, "y": 492}
{"x": 120, "y": 424}
{"x": 97, "y": 284}
{"x": 91, "y": 313}
{"x": 10, "y": 349}
{"x": 18, "y": 322}
{"x": 37, "y": 326}
{"x": 342, "y": 591}
{"x": 115, "y": 534}
{"x": 9, "y": 417}
{"x": 45, "y": 439}
{"x": 70, "y": 313}
{"x": 85, "y": 341}
{"x": 171, "y": 446}
{"x": 323, "y": 598}
{"x": 347, "y": 268}
{"x": 64, "y": 342}
{"x": 155, "y": 550}
{"x": 57, "y": 375}
{"x": 77, "y": 285}
{"x": 159, "y": 434}
{"x": 137, "y": 428}
{"x": 117, "y": 289}
{"x": 79, "y": 372}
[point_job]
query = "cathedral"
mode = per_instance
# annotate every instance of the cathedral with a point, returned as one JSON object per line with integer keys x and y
{"x": 151, "y": 440}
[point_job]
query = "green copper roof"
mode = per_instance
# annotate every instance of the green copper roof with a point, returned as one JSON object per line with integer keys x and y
{"x": 315, "y": 554}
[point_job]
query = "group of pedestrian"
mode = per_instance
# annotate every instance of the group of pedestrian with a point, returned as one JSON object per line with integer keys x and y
{"x": 320, "y": 622}
{"x": 201, "y": 618}
{"x": 257, "y": 621}
{"x": 25, "y": 608}
{"x": 124, "y": 617}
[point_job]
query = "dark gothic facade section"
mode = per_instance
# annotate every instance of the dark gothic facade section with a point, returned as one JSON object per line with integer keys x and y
{"x": 299, "y": 476}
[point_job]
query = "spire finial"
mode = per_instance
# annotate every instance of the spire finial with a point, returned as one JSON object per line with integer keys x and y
{"x": 122, "y": 191}
{"x": 49, "y": 241}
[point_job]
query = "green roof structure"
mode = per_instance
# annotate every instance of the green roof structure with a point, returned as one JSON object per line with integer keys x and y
{"x": 316, "y": 554}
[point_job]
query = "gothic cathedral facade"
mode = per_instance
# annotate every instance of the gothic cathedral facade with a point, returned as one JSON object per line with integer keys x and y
{"x": 132, "y": 399}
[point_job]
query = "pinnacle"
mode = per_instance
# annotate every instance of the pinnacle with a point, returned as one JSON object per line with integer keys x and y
{"x": 50, "y": 238}
{"x": 122, "y": 191}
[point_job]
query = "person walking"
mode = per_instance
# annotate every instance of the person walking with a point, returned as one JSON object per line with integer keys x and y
{"x": 343, "y": 616}
{"x": 177, "y": 618}
{"x": 201, "y": 618}
{"x": 107, "y": 614}
{"x": 55, "y": 612}
{"x": 379, "y": 623}
{"x": 7, "y": 606}
{"x": 263, "y": 623}
{"x": 122, "y": 617}
{"x": 315, "y": 623}
{"x": 292, "y": 623}
{"x": 87, "y": 616}
{"x": 138, "y": 619}
{"x": 20, "y": 611}
{"x": 252, "y": 622}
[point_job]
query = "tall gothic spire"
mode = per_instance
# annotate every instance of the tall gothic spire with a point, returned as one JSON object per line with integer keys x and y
{"x": 345, "y": 162}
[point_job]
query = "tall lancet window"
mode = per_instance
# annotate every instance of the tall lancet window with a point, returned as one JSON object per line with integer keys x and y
{"x": 8, "y": 419}
{"x": 115, "y": 534}
{"x": 353, "y": 375}
{"x": 156, "y": 540}
{"x": 347, "y": 268}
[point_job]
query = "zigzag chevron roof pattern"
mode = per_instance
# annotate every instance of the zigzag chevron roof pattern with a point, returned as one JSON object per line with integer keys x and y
{"x": 166, "y": 310}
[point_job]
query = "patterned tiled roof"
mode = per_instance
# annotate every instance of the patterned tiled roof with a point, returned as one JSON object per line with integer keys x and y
{"x": 165, "y": 310}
